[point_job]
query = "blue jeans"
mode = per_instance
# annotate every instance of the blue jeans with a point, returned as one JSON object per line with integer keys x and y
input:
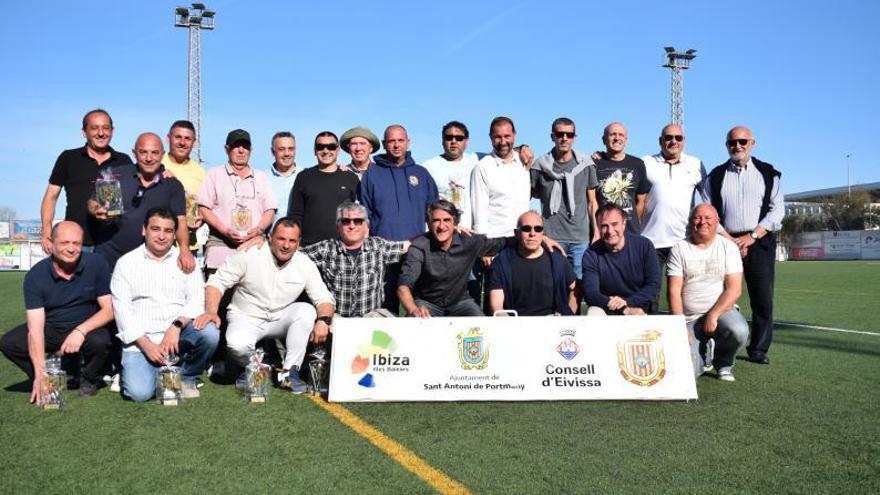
{"x": 574, "y": 251}
{"x": 196, "y": 348}
{"x": 466, "y": 307}
{"x": 730, "y": 336}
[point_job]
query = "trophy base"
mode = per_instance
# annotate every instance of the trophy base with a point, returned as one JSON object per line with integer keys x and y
{"x": 169, "y": 402}
{"x": 51, "y": 407}
{"x": 114, "y": 213}
{"x": 256, "y": 400}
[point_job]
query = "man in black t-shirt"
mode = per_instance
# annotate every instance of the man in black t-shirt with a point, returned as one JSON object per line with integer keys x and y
{"x": 622, "y": 179}
{"x": 529, "y": 279}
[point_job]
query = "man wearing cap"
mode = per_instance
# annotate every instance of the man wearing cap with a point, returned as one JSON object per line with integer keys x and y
{"x": 452, "y": 169}
{"x": 283, "y": 172}
{"x": 235, "y": 200}
{"x": 75, "y": 171}
{"x": 360, "y": 143}
{"x": 318, "y": 190}
{"x": 179, "y": 164}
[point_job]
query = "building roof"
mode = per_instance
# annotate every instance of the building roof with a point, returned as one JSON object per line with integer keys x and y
{"x": 818, "y": 194}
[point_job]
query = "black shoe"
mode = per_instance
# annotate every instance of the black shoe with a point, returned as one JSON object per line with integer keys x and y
{"x": 88, "y": 388}
{"x": 759, "y": 358}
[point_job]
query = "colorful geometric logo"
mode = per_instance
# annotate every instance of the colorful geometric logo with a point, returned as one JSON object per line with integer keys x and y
{"x": 472, "y": 354}
{"x": 380, "y": 343}
{"x": 641, "y": 359}
{"x": 568, "y": 348}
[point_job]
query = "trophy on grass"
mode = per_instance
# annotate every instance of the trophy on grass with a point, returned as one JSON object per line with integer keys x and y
{"x": 258, "y": 378}
{"x": 108, "y": 193}
{"x": 318, "y": 366}
{"x": 241, "y": 219}
{"x": 54, "y": 384}
{"x": 169, "y": 384}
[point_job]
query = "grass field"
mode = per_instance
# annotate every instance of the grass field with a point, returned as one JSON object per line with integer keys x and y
{"x": 808, "y": 423}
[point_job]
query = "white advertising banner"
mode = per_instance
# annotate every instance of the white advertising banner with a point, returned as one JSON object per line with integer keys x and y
{"x": 870, "y": 244}
{"x": 842, "y": 245}
{"x": 511, "y": 359}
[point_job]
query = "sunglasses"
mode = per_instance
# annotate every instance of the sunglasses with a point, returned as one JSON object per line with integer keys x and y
{"x": 528, "y": 228}
{"x": 138, "y": 197}
{"x": 560, "y": 135}
{"x": 329, "y": 146}
{"x": 454, "y": 137}
{"x": 349, "y": 221}
{"x": 733, "y": 142}
{"x": 670, "y": 137}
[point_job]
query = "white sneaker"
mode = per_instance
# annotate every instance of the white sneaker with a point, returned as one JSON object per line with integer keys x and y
{"x": 726, "y": 375}
{"x": 114, "y": 384}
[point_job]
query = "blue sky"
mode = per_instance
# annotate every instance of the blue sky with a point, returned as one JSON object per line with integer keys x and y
{"x": 803, "y": 75}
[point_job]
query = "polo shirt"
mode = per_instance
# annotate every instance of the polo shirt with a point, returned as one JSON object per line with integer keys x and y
{"x": 672, "y": 197}
{"x": 125, "y": 232}
{"x": 67, "y": 303}
{"x": 75, "y": 172}
{"x": 190, "y": 174}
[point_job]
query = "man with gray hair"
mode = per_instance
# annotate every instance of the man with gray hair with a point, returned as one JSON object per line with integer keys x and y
{"x": 283, "y": 171}
{"x": 353, "y": 266}
{"x": 360, "y": 143}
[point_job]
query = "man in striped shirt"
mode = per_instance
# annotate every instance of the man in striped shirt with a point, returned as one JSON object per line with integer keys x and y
{"x": 155, "y": 304}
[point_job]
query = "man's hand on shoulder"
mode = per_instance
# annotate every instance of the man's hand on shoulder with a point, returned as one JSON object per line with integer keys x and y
{"x": 186, "y": 261}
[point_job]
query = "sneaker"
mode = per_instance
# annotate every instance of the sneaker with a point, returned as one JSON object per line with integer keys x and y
{"x": 190, "y": 390}
{"x": 708, "y": 367}
{"x": 88, "y": 388}
{"x": 114, "y": 384}
{"x": 726, "y": 375}
{"x": 199, "y": 382}
{"x": 289, "y": 379}
{"x": 241, "y": 382}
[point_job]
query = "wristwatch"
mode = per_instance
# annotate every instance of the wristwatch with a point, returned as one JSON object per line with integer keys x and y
{"x": 177, "y": 323}
{"x": 754, "y": 235}
{"x": 326, "y": 319}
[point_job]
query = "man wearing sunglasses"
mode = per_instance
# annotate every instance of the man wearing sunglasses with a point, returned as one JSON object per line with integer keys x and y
{"x": 143, "y": 188}
{"x": 675, "y": 179}
{"x": 353, "y": 266}
{"x": 530, "y": 279}
{"x": 747, "y": 194}
{"x": 565, "y": 181}
{"x": 318, "y": 190}
{"x": 452, "y": 169}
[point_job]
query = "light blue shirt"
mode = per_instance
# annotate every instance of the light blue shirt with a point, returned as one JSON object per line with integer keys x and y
{"x": 281, "y": 186}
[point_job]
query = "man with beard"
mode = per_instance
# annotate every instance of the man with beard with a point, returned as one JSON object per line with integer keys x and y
{"x": 452, "y": 169}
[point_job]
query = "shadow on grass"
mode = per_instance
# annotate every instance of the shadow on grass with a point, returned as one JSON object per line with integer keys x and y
{"x": 23, "y": 386}
{"x": 820, "y": 342}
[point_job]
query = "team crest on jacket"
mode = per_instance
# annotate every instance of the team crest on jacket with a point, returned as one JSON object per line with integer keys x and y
{"x": 472, "y": 352}
{"x": 641, "y": 359}
{"x": 413, "y": 180}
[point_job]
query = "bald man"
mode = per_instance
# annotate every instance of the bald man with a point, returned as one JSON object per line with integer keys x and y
{"x": 747, "y": 194}
{"x": 67, "y": 301}
{"x": 143, "y": 188}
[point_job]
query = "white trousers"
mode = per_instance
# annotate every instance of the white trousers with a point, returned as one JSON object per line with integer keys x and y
{"x": 294, "y": 325}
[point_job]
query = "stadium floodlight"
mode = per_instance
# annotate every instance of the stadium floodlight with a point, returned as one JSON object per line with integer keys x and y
{"x": 195, "y": 19}
{"x": 677, "y": 62}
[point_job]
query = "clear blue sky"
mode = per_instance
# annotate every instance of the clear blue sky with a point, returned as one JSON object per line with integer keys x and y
{"x": 803, "y": 75}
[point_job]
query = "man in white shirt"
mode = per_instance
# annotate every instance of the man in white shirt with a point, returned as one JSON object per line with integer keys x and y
{"x": 452, "y": 170}
{"x": 705, "y": 280}
{"x": 269, "y": 280}
{"x": 154, "y": 303}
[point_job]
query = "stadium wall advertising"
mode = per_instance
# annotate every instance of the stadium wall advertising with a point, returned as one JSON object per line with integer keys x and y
{"x": 511, "y": 359}
{"x": 836, "y": 245}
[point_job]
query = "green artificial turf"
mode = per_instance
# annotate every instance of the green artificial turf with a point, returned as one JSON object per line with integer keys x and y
{"x": 808, "y": 423}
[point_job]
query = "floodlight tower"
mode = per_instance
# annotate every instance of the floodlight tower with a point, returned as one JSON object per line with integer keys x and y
{"x": 678, "y": 62}
{"x": 195, "y": 19}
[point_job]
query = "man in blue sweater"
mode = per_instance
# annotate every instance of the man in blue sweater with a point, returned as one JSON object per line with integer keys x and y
{"x": 621, "y": 275}
{"x": 396, "y": 193}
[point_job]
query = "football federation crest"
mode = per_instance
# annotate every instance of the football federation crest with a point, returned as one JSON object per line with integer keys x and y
{"x": 413, "y": 180}
{"x": 567, "y": 348}
{"x": 641, "y": 359}
{"x": 472, "y": 352}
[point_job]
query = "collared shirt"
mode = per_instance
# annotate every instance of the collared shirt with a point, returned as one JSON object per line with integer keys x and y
{"x": 265, "y": 289}
{"x": 124, "y": 233}
{"x": 281, "y": 186}
{"x": 742, "y": 194}
{"x": 672, "y": 197}
{"x": 67, "y": 303}
{"x": 75, "y": 171}
{"x": 356, "y": 280}
{"x": 454, "y": 182}
{"x": 149, "y": 294}
{"x": 500, "y": 193}
{"x": 440, "y": 277}
{"x": 222, "y": 191}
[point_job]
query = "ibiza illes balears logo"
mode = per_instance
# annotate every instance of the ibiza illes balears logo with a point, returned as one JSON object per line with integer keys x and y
{"x": 568, "y": 348}
{"x": 473, "y": 352}
{"x": 641, "y": 358}
{"x": 377, "y": 356}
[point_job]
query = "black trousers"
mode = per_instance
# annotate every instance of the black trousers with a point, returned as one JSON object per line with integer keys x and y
{"x": 759, "y": 272}
{"x": 662, "y": 259}
{"x": 95, "y": 349}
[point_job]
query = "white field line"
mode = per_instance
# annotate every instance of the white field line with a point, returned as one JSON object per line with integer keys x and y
{"x": 827, "y": 329}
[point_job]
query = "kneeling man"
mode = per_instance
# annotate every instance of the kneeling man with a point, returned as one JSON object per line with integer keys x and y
{"x": 155, "y": 302}
{"x": 529, "y": 279}
{"x": 705, "y": 280}
{"x": 269, "y": 280}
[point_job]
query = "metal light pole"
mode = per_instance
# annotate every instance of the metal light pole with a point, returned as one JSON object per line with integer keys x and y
{"x": 678, "y": 62}
{"x": 848, "y": 186}
{"x": 195, "y": 19}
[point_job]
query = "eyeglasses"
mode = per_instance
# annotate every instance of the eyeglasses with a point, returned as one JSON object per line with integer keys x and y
{"x": 138, "y": 197}
{"x": 454, "y": 137}
{"x": 328, "y": 146}
{"x": 561, "y": 134}
{"x": 733, "y": 142}
{"x": 670, "y": 137}
{"x": 528, "y": 228}
{"x": 349, "y": 221}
